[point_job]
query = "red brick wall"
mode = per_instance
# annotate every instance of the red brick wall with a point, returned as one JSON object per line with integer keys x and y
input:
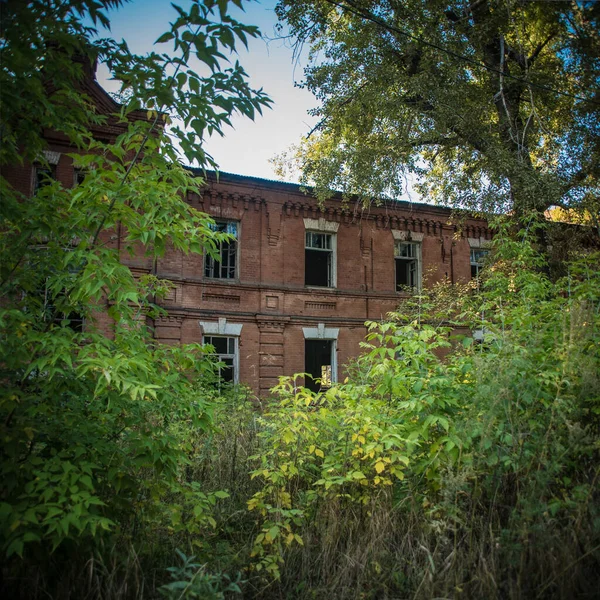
{"x": 269, "y": 298}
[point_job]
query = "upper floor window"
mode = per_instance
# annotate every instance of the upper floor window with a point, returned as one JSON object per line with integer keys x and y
{"x": 408, "y": 265}
{"x": 319, "y": 259}
{"x": 478, "y": 257}
{"x": 224, "y": 265}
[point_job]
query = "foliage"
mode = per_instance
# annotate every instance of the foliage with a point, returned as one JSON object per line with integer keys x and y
{"x": 493, "y": 104}
{"x": 191, "y": 581}
{"x": 98, "y": 421}
{"x": 492, "y": 452}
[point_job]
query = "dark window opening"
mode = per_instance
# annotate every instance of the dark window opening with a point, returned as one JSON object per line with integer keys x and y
{"x": 318, "y": 259}
{"x": 407, "y": 265}
{"x": 318, "y": 364}
{"x": 225, "y": 352}
{"x": 51, "y": 310}
{"x": 79, "y": 176}
{"x": 224, "y": 265}
{"x": 43, "y": 176}
{"x": 50, "y": 306}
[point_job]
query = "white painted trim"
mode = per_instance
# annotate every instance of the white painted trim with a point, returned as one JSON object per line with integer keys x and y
{"x": 222, "y": 327}
{"x": 419, "y": 259}
{"x": 325, "y": 333}
{"x": 333, "y": 258}
{"x": 479, "y": 242}
{"x": 334, "y": 373}
{"x": 321, "y": 332}
{"x": 321, "y": 225}
{"x": 51, "y": 157}
{"x": 407, "y": 236}
{"x": 236, "y": 356}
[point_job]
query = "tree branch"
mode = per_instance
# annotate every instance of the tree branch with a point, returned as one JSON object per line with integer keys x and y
{"x": 540, "y": 47}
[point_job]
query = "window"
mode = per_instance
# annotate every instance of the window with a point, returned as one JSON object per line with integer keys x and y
{"x": 48, "y": 305}
{"x": 408, "y": 265}
{"x": 42, "y": 176}
{"x": 319, "y": 259}
{"x": 318, "y": 363}
{"x": 224, "y": 266}
{"x": 478, "y": 257}
{"x": 52, "y": 312}
{"x": 78, "y": 176}
{"x": 226, "y": 352}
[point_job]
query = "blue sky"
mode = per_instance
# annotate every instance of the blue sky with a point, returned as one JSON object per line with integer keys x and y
{"x": 247, "y": 148}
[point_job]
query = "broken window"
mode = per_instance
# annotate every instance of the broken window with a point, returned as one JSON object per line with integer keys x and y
{"x": 408, "y": 265}
{"x": 226, "y": 352}
{"x": 319, "y": 259}
{"x": 318, "y": 363}
{"x": 224, "y": 265}
{"x": 478, "y": 257}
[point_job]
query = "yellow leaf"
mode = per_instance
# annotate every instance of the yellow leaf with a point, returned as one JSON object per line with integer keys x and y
{"x": 319, "y": 452}
{"x": 380, "y": 466}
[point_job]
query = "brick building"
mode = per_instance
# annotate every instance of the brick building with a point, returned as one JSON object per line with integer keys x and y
{"x": 293, "y": 291}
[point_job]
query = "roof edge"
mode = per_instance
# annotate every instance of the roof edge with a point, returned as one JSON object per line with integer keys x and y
{"x": 226, "y": 177}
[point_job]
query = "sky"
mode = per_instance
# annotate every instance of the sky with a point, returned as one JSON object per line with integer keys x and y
{"x": 247, "y": 148}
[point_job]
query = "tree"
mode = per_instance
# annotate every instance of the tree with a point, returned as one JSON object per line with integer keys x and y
{"x": 95, "y": 430}
{"x": 494, "y": 104}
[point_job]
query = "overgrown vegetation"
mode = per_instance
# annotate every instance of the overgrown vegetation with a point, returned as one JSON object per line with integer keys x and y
{"x": 475, "y": 475}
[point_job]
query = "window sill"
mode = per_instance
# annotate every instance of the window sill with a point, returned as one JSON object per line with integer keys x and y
{"x": 220, "y": 280}
{"x": 320, "y": 287}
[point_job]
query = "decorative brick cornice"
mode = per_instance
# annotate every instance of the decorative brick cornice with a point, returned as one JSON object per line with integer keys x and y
{"x": 271, "y": 323}
{"x": 315, "y": 305}
{"x": 213, "y": 197}
{"x": 221, "y": 298}
{"x": 168, "y": 321}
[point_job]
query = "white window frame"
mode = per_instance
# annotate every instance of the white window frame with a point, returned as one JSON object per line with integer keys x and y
{"x": 235, "y": 357}
{"x": 332, "y": 275}
{"x": 417, "y": 259}
{"x": 478, "y": 264}
{"x": 223, "y": 329}
{"x": 213, "y": 262}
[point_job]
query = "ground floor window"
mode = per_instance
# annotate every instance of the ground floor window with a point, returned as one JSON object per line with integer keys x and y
{"x": 226, "y": 350}
{"x": 319, "y": 363}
